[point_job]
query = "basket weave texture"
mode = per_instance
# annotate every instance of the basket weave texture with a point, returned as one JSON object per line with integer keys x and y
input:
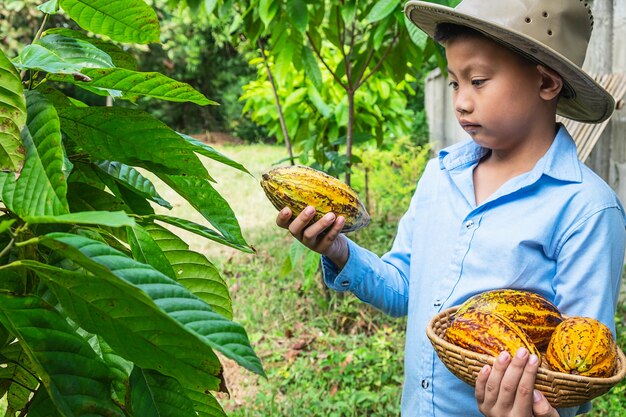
{"x": 561, "y": 390}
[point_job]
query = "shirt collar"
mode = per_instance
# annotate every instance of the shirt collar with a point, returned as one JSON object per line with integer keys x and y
{"x": 560, "y": 161}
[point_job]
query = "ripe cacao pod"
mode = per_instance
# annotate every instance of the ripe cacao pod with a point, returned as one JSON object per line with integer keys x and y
{"x": 582, "y": 346}
{"x": 488, "y": 333}
{"x": 299, "y": 186}
{"x": 537, "y": 316}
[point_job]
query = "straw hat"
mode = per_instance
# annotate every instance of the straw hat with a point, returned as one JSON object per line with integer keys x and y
{"x": 553, "y": 33}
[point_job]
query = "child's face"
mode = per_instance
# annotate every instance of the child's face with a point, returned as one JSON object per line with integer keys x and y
{"x": 495, "y": 92}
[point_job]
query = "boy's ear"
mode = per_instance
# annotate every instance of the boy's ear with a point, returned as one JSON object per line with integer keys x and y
{"x": 551, "y": 83}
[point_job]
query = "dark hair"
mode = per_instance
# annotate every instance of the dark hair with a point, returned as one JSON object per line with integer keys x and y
{"x": 449, "y": 31}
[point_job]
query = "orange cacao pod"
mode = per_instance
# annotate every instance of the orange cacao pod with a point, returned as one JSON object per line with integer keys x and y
{"x": 488, "y": 333}
{"x": 537, "y": 316}
{"x": 582, "y": 346}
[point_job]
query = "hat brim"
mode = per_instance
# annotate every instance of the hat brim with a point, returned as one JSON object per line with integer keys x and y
{"x": 590, "y": 103}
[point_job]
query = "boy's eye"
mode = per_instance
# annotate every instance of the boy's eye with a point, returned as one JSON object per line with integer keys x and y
{"x": 478, "y": 83}
{"x": 453, "y": 84}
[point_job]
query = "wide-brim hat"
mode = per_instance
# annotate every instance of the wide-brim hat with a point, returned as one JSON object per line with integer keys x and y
{"x": 552, "y": 33}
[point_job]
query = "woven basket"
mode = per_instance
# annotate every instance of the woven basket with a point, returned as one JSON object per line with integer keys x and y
{"x": 561, "y": 390}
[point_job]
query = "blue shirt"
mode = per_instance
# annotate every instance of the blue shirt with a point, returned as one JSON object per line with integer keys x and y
{"x": 557, "y": 230}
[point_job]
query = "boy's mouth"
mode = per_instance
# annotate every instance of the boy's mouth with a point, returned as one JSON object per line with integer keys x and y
{"x": 469, "y": 126}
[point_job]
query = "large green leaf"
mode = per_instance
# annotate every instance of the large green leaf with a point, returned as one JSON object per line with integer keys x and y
{"x": 193, "y": 270}
{"x": 131, "y": 137}
{"x": 312, "y": 68}
{"x": 130, "y": 21}
{"x": 41, "y": 189}
{"x": 382, "y": 9}
{"x": 102, "y": 218}
{"x": 146, "y": 250}
{"x": 42, "y": 405}
{"x": 299, "y": 14}
{"x": 120, "y": 57}
{"x": 204, "y": 198}
{"x": 133, "y": 179}
{"x": 78, "y": 382}
{"x": 200, "y": 230}
{"x": 57, "y": 54}
{"x": 12, "y": 116}
{"x": 127, "y": 319}
{"x": 267, "y": 10}
{"x": 206, "y": 150}
{"x": 205, "y": 403}
{"x": 157, "y": 395}
{"x": 195, "y": 316}
{"x": 132, "y": 84}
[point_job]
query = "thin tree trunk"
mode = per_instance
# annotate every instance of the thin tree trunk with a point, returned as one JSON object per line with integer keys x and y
{"x": 349, "y": 133}
{"x": 281, "y": 117}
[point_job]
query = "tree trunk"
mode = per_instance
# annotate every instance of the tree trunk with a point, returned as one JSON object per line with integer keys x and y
{"x": 349, "y": 133}
{"x": 281, "y": 117}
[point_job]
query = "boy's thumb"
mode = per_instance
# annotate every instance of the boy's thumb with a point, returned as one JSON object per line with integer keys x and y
{"x": 541, "y": 406}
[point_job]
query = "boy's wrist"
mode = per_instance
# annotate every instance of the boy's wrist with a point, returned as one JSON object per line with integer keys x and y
{"x": 340, "y": 254}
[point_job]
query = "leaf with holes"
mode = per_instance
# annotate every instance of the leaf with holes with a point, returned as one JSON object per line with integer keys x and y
{"x": 77, "y": 381}
{"x": 12, "y": 116}
{"x": 193, "y": 270}
{"x": 121, "y": 20}
{"x": 132, "y": 84}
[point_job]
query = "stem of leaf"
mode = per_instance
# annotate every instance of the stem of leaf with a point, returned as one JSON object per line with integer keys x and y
{"x": 7, "y": 248}
{"x": 35, "y": 39}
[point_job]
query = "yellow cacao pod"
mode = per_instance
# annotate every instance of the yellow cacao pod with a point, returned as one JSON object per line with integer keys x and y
{"x": 299, "y": 186}
{"x": 537, "y": 316}
{"x": 488, "y": 333}
{"x": 582, "y": 346}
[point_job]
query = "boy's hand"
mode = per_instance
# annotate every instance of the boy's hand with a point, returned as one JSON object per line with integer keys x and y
{"x": 323, "y": 236}
{"x": 507, "y": 389}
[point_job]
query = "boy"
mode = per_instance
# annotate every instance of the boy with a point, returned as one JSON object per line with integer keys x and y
{"x": 511, "y": 208}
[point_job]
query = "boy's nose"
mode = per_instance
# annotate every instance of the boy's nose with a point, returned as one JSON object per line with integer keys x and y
{"x": 462, "y": 103}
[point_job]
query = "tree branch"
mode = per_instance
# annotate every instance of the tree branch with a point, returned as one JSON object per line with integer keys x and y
{"x": 380, "y": 62}
{"x": 319, "y": 56}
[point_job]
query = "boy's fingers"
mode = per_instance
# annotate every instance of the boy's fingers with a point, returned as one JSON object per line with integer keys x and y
{"x": 481, "y": 383}
{"x": 492, "y": 387}
{"x": 334, "y": 231}
{"x": 311, "y": 234}
{"x": 283, "y": 218}
{"x": 297, "y": 226}
{"x": 510, "y": 383}
{"x": 524, "y": 395}
{"x": 541, "y": 406}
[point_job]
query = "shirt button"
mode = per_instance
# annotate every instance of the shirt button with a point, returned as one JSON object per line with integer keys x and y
{"x": 469, "y": 224}
{"x": 345, "y": 283}
{"x": 425, "y": 384}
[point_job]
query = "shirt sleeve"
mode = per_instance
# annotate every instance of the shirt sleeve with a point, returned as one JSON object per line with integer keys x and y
{"x": 382, "y": 282}
{"x": 589, "y": 271}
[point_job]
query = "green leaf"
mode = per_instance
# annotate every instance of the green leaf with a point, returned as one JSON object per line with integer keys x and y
{"x": 267, "y": 10}
{"x": 42, "y": 405}
{"x": 209, "y": 6}
{"x": 17, "y": 367}
{"x": 200, "y": 231}
{"x": 49, "y": 7}
{"x": 133, "y": 84}
{"x": 311, "y": 68}
{"x": 171, "y": 298}
{"x": 6, "y": 225}
{"x": 77, "y": 381}
{"x": 299, "y": 14}
{"x": 59, "y": 54}
{"x": 12, "y": 116}
{"x": 193, "y": 270}
{"x": 146, "y": 250}
{"x": 157, "y": 395}
{"x": 41, "y": 189}
{"x": 204, "y": 149}
{"x": 130, "y": 21}
{"x": 204, "y": 403}
{"x": 130, "y": 136}
{"x": 318, "y": 101}
{"x": 418, "y": 37}
{"x": 208, "y": 202}
{"x": 133, "y": 179}
{"x": 382, "y": 9}
{"x": 120, "y": 57}
{"x": 102, "y": 218}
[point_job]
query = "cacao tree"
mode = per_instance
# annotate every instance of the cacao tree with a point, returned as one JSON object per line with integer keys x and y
{"x": 104, "y": 310}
